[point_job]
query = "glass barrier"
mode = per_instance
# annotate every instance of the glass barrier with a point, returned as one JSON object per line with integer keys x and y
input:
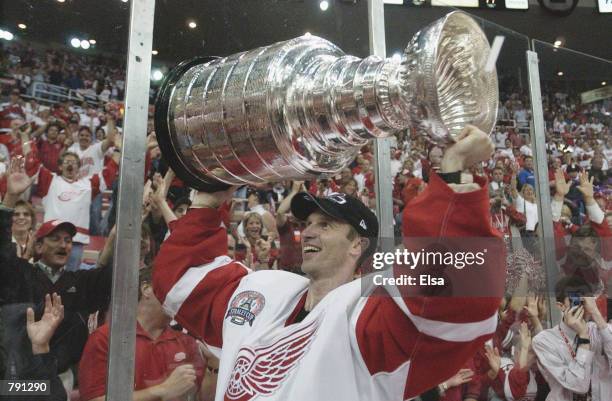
{"x": 62, "y": 82}
{"x": 576, "y": 101}
{"x": 511, "y": 133}
{"x": 211, "y": 105}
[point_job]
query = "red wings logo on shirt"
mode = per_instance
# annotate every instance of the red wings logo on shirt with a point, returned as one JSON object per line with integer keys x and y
{"x": 67, "y": 196}
{"x": 262, "y": 370}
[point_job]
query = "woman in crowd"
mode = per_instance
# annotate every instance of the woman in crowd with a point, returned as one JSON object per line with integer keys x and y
{"x": 525, "y": 202}
{"x": 350, "y": 188}
{"x": 100, "y": 134}
{"x": 24, "y": 223}
{"x": 262, "y": 248}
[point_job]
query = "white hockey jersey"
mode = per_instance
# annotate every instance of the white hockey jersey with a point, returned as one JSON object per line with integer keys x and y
{"x": 68, "y": 201}
{"x": 349, "y": 347}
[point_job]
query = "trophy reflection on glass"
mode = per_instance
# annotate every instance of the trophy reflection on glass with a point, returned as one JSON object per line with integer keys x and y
{"x": 302, "y": 109}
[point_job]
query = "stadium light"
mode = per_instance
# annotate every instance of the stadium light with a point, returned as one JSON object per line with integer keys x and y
{"x": 22, "y": 26}
{"x": 75, "y": 42}
{"x": 85, "y": 44}
{"x": 559, "y": 41}
{"x": 324, "y": 5}
{"x": 157, "y": 75}
{"x": 154, "y": 52}
{"x": 6, "y": 35}
{"x": 396, "y": 58}
{"x": 603, "y": 83}
{"x": 61, "y": 1}
{"x": 560, "y": 73}
{"x": 192, "y": 24}
{"x": 307, "y": 34}
{"x": 92, "y": 41}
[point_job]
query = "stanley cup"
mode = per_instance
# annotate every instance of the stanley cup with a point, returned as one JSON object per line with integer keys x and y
{"x": 301, "y": 109}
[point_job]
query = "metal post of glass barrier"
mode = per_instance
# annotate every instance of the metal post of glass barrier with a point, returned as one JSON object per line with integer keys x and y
{"x": 538, "y": 143}
{"x": 382, "y": 167}
{"x": 120, "y": 374}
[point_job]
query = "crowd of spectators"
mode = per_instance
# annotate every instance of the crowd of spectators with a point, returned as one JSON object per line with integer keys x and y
{"x": 60, "y": 162}
{"x": 95, "y": 76}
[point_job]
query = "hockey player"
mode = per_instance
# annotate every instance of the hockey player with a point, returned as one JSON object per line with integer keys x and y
{"x": 281, "y": 336}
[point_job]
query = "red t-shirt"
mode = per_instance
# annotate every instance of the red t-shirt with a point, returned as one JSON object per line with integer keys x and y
{"x": 411, "y": 189}
{"x": 49, "y": 153}
{"x": 290, "y": 257}
{"x": 9, "y": 112}
{"x": 155, "y": 359}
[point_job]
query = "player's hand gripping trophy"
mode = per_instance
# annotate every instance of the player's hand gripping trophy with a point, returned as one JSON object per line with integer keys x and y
{"x": 302, "y": 109}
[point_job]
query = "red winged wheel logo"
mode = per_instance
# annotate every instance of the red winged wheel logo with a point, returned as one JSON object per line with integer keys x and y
{"x": 262, "y": 370}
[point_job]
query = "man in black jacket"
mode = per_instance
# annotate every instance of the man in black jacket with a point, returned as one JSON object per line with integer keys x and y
{"x": 22, "y": 284}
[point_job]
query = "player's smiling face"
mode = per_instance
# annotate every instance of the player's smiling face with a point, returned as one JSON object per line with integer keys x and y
{"x": 325, "y": 245}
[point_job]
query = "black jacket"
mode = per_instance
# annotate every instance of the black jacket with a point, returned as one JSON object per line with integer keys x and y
{"x": 41, "y": 367}
{"x": 23, "y": 284}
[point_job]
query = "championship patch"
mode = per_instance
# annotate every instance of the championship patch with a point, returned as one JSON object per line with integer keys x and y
{"x": 245, "y": 307}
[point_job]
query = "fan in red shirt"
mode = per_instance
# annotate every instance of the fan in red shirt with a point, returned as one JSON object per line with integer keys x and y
{"x": 8, "y": 112}
{"x": 49, "y": 148}
{"x": 168, "y": 364}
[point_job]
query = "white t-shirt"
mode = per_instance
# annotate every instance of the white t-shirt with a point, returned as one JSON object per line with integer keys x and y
{"x": 87, "y": 120}
{"x": 526, "y": 150}
{"x": 500, "y": 139}
{"x": 360, "y": 179}
{"x": 530, "y": 210}
{"x": 92, "y": 159}
{"x": 395, "y": 167}
{"x": 596, "y": 127}
{"x": 507, "y": 153}
{"x": 520, "y": 116}
{"x": 104, "y": 95}
{"x": 559, "y": 126}
{"x": 578, "y": 151}
{"x": 70, "y": 201}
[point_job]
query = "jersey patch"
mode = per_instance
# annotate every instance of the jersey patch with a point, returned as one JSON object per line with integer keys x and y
{"x": 262, "y": 370}
{"x": 245, "y": 307}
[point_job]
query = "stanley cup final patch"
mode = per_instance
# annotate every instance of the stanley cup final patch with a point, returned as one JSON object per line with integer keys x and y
{"x": 245, "y": 307}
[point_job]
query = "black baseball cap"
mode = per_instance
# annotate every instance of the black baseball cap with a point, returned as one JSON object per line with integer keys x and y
{"x": 572, "y": 168}
{"x": 339, "y": 206}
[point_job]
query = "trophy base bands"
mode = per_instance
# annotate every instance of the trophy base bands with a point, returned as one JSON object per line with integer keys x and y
{"x": 24, "y": 387}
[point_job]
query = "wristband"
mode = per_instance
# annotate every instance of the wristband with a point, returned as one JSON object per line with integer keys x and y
{"x": 583, "y": 341}
{"x": 451, "y": 178}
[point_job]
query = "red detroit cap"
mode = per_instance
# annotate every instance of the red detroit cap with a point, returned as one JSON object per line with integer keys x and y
{"x": 49, "y": 226}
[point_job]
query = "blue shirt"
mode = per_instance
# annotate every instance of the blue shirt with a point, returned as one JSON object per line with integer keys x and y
{"x": 526, "y": 177}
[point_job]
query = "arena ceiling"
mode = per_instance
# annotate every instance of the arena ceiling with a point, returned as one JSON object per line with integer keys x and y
{"x": 228, "y": 26}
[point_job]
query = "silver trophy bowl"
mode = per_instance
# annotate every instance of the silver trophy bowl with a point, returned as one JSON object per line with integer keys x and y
{"x": 302, "y": 109}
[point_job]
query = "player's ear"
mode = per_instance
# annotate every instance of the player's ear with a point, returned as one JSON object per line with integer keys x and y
{"x": 358, "y": 246}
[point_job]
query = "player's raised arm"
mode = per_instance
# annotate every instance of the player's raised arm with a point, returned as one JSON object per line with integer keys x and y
{"x": 193, "y": 277}
{"x": 435, "y": 335}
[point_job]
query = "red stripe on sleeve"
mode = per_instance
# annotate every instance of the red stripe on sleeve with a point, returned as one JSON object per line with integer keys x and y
{"x": 195, "y": 241}
{"x": 44, "y": 181}
{"x": 203, "y": 312}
